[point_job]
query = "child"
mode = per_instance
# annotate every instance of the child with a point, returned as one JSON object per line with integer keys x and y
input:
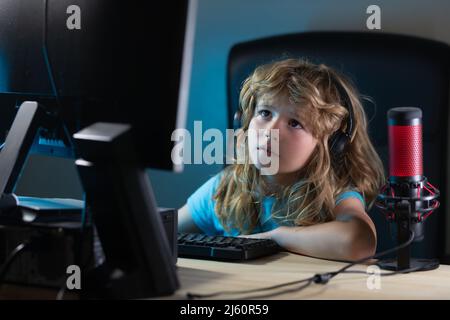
{"x": 316, "y": 203}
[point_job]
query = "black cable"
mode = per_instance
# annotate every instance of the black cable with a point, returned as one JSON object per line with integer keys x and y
{"x": 10, "y": 259}
{"x": 278, "y": 293}
{"x": 322, "y": 278}
{"x": 386, "y": 274}
{"x": 209, "y": 295}
{"x": 310, "y": 280}
{"x": 381, "y": 254}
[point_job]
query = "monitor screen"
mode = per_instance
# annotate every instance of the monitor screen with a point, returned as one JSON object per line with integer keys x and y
{"x": 101, "y": 60}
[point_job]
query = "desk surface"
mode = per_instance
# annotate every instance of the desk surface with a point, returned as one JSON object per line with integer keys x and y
{"x": 203, "y": 276}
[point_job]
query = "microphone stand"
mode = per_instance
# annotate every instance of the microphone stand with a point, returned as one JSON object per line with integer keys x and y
{"x": 406, "y": 212}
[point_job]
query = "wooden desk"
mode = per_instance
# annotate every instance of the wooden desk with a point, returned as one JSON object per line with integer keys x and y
{"x": 203, "y": 276}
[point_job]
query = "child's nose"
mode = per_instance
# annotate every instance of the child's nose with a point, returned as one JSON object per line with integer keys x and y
{"x": 274, "y": 126}
{"x": 271, "y": 134}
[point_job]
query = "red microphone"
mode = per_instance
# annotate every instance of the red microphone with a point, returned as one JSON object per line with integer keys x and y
{"x": 405, "y": 144}
{"x": 408, "y": 198}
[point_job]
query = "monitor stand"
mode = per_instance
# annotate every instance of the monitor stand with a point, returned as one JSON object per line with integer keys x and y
{"x": 54, "y": 222}
{"x": 120, "y": 202}
{"x": 29, "y": 120}
{"x": 16, "y": 148}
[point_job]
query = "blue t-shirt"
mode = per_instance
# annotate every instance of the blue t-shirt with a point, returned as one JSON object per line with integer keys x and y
{"x": 201, "y": 206}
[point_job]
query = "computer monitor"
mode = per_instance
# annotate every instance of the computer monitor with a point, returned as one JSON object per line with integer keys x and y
{"x": 102, "y": 69}
{"x": 101, "y": 60}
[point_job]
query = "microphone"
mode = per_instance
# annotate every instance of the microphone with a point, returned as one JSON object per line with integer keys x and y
{"x": 407, "y": 199}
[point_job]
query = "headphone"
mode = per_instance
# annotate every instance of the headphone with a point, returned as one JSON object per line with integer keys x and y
{"x": 339, "y": 140}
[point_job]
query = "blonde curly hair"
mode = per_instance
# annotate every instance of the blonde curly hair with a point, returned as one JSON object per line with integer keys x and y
{"x": 311, "y": 198}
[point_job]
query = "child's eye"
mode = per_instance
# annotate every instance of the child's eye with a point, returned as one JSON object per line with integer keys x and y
{"x": 264, "y": 113}
{"x": 295, "y": 124}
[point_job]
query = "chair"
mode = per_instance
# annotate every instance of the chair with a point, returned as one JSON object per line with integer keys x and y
{"x": 394, "y": 70}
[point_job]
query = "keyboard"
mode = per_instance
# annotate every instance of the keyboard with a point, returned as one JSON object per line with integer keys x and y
{"x": 201, "y": 246}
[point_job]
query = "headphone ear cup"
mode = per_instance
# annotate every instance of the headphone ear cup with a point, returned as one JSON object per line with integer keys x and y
{"x": 237, "y": 119}
{"x": 337, "y": 144}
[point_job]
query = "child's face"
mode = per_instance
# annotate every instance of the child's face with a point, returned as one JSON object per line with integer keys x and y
{"x": 296, "y": 143}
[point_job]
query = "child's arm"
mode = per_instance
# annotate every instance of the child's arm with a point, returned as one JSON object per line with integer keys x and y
{"x": 185, "y": 222}
{"x": 350, "y": 237}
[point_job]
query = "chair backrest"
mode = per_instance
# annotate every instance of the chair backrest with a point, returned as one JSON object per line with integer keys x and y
{"x": 394, "y": 70}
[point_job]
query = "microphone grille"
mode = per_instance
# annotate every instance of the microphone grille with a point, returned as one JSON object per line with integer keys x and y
{"x": 405, "y": 151}
{"x": 405, "y": 142}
